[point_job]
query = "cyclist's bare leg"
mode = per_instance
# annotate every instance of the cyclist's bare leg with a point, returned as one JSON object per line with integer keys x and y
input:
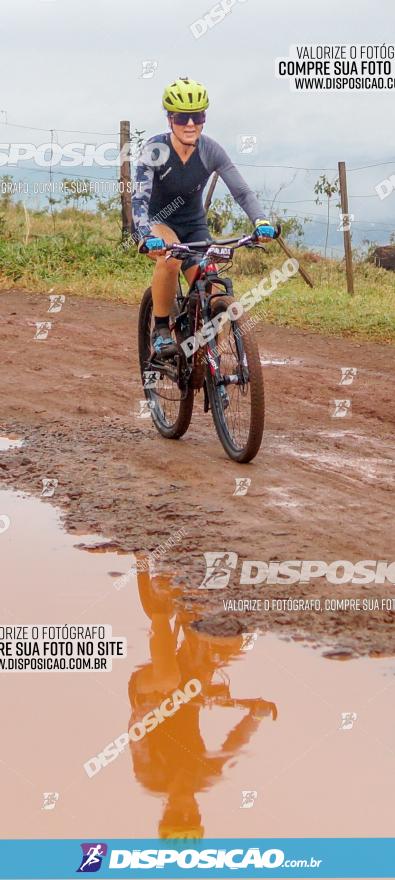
{"x": 191, "y": 273}
{"x": 164, "y": 279}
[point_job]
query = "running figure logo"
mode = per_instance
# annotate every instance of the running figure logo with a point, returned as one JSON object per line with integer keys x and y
{"x": 248, "y": 799}
{"x": 242, "y": 485}
{"x": 50, "y": 800}
{"x": 347, "y": 720}
{"x": 92, "y": 855}
{"x": 219, "y": 566}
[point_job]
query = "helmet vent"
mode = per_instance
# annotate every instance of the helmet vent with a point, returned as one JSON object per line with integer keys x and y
{"x": 184, "y": 94}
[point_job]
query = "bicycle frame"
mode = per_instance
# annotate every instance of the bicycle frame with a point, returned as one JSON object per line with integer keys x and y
{"x": 214, "y": 352}
{"x": 201, "y": 289}
{"x": 206, "y": 277}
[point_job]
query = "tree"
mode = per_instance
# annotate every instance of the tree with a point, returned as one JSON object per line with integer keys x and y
{"x": 77, "y": 190}
{"x": 225, "y": 212}
{"x": 324, "y": 187}
{"x": 220, "y": 213}
{"x": 110, "y": 206}
{"x": 6, "y": 184}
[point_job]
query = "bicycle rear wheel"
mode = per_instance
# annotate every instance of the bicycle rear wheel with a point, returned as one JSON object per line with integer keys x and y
{"x": 235, "y": 389}
{"x": 171, "y": 408}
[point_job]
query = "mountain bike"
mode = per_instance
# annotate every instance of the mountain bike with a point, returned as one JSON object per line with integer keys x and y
{"x": 216, "y": 352}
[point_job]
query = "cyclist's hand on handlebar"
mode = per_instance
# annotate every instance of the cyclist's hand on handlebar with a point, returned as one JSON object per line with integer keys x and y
{"x": 152, "y": 245}
{"x": 260, "y": 708}
{"x": 264, "y": 230}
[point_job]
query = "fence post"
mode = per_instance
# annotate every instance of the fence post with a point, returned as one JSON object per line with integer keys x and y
{"x": 346, "y": 232}
{"x": 125, "y": 182}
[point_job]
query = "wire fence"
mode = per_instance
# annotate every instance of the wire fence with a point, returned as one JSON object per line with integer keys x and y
{"x": 368, "y": 225}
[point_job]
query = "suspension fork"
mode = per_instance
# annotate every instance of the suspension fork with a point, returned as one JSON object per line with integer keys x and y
{"x": 213, "y": 355}
{"x": 241, "y": 356}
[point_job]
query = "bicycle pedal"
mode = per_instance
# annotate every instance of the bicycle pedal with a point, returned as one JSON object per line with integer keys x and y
{"x": 160, "y": 364}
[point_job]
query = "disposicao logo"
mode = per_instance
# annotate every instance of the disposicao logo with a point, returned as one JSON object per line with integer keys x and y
{"x": 92, "y": 855}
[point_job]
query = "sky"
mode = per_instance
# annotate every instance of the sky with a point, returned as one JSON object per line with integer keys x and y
{"x": 73, "y": 65}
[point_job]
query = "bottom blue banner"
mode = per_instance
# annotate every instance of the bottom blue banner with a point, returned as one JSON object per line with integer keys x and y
{"x": 169, "y": 859}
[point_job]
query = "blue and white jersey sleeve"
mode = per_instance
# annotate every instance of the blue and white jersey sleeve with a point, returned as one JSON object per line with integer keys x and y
{"x": 142, "y": 189}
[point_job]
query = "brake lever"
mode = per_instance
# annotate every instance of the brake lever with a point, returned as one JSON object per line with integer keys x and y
{"x": 183, "y": 249}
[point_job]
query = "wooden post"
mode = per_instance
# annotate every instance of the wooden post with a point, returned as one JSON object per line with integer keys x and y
{"x": 303, "y": 272}
{"x": 280, "y": 240}
{"x": 125, "y": 182}
{"x": 210, "y": 191}
{"x": 346, "y": 232}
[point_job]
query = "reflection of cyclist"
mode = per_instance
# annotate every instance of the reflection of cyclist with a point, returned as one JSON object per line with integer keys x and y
{"x": 173, "y": 759}
{"x": 170, "y": 177}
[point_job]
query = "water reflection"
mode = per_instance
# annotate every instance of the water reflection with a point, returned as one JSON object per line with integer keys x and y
{"x": 172, "y": 760}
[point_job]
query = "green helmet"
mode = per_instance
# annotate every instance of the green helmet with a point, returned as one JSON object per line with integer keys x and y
{"x": 185, "y": 94}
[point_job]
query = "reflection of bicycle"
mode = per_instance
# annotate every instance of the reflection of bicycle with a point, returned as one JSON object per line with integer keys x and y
{"x": 173, "y": 759}
{"x": 215, "y": 351}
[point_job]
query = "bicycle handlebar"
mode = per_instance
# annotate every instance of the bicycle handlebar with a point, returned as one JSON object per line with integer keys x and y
{"x": 204, "y": 246}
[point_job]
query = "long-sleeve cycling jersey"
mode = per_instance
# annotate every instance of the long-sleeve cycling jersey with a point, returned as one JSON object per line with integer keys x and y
{"x": 169, "y": 190}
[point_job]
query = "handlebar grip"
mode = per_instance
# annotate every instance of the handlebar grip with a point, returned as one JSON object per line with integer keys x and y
{"x": 276, "y": 231}
{"x": 159, "y": 245}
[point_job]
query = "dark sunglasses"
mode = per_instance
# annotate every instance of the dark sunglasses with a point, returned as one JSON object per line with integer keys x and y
{"x": 198, "y": 117}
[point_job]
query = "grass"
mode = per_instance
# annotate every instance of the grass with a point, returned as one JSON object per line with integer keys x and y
{"x": 328, "y": 308}
{"x": 79, "y": 252}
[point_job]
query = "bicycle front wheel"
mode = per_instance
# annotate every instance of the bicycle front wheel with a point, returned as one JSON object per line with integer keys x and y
{"x": 171, "y": 409}
{"x": 235, "y": 385}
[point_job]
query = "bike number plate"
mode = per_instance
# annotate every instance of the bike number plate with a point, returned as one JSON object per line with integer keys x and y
{"x": 220, "y": 253}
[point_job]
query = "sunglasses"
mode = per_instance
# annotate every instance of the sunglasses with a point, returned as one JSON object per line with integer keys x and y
{"x": 197, "y": 117}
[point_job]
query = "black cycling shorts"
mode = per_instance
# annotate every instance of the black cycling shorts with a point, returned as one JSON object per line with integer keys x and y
{"x": 187, "y": 234}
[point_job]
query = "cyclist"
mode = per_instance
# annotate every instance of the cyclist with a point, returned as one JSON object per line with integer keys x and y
{"x": 174, "y": 760}
{"x": 171, "y": 174}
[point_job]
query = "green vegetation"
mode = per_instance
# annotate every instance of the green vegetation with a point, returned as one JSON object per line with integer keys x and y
{"x": 75, "y": 251}
{"x": 80, "y": 252}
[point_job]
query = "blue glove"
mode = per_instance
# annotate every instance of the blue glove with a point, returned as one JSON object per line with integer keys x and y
{"x": 264, "y": 229}
{"x": 151, "y": 243}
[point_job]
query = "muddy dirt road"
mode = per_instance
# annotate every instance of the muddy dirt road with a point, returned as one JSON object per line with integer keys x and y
{"x": 321, "y": 487}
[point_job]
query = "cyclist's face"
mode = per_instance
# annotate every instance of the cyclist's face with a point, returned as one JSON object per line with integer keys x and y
{"x": 188, "y": 133}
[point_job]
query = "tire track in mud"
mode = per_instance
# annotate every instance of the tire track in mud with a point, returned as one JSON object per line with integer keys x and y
{"x": 320, "y": 487}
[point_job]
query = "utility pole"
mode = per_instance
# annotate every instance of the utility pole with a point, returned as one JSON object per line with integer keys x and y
{"x": 346, "y": 226}
{"x": 125, "y": 182}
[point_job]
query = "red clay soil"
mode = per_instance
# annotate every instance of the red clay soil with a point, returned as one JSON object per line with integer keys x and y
{"x": 321, "y": 487}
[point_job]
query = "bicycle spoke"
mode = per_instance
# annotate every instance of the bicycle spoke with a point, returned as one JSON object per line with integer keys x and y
{"x": 237, "y": 413}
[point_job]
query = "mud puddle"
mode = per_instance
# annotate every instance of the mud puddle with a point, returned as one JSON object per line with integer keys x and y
{"x": 277, "y": 740}
{"x": 10, "y": 441}
{"x": 369, "y": 467}
{"x": 277, "y": 361}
